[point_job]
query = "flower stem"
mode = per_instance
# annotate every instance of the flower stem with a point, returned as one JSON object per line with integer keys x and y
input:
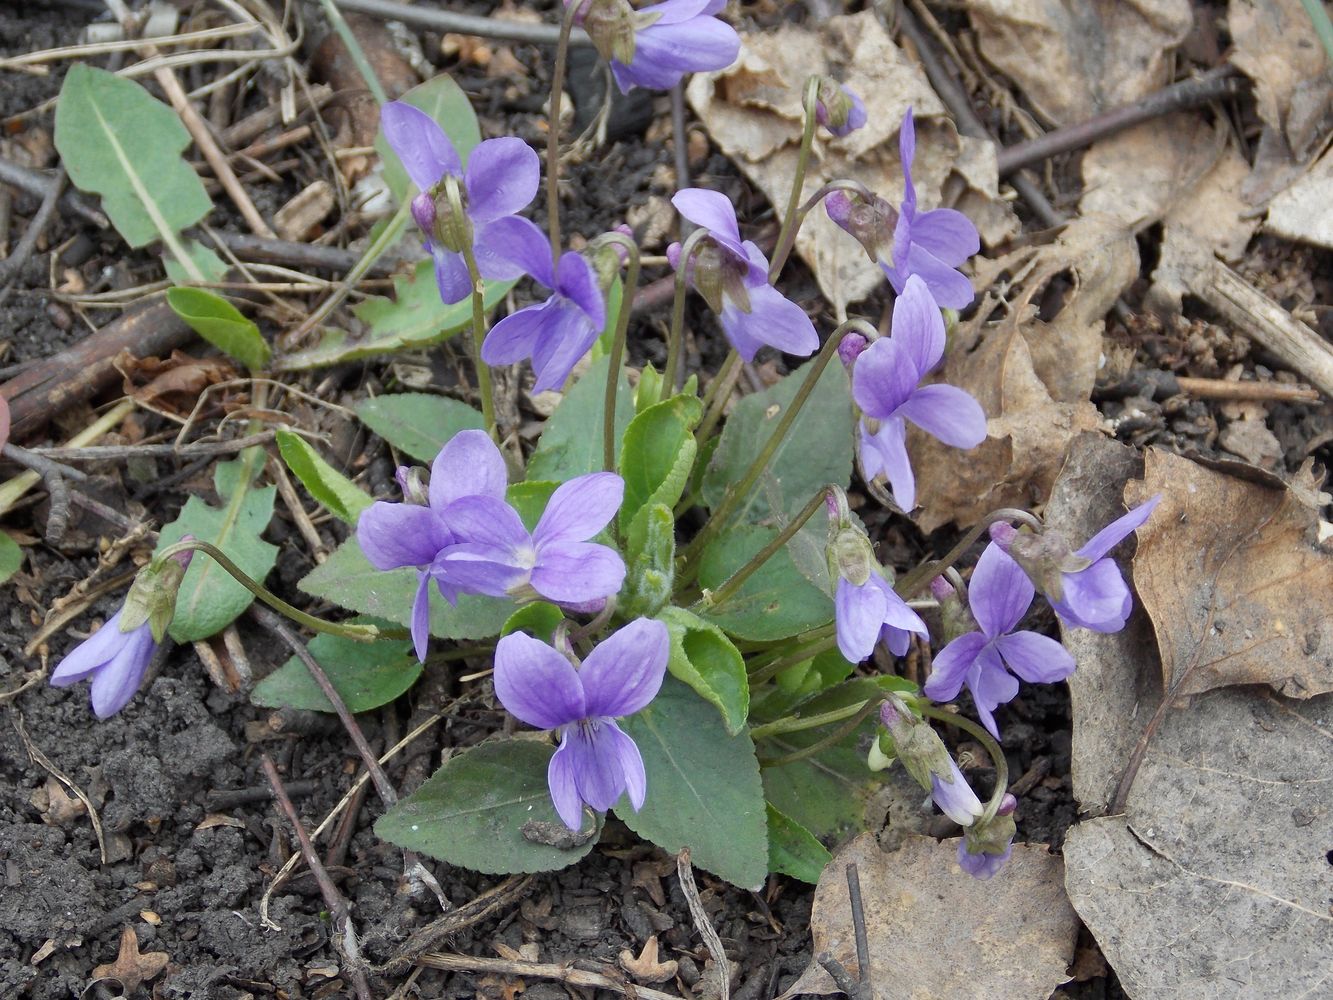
{"x": 618, "y": 349}
{"x": 986, "y": 740}
{"x": 800, "y": 655}
{"x": 787, "y": 235}
{"x": 795, "y": 723}
{"x": 837, "y": 736}
{"x": 361, "y": 633}
{"x": 484, "y": 388}
{"x": 553, "y": 127}
{"x": 693, "y": 243}
{"x": 914, "y": 580}
{"x": 742, "y": 488}
{"x": 734, "y": 582}
{"x": 717, "y": 394}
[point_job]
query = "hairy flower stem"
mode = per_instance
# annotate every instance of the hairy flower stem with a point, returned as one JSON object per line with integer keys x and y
{"x": 787, "y": 235}
{"x": 734, "y": 582}
{"x": 717, "y": 394}
{"x": 926, "y": 572}
{"x": 986, "y": 740}
{"x": 742, "y": 488}
{"x": 361, "y": 633}
{"x": 618, "y": 348}
{"x": 553, "y": 127}
{"x": 795, "y": 723}
{"x": 484, "y": 388}
{"x": 802, "y": 653}
{"x": 833, "y": 738}
{"x": 692, "y": 245}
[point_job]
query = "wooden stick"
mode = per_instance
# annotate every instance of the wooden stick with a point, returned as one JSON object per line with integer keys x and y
{"x": 1221, "y": 388}
{"x": 540, "y": 970}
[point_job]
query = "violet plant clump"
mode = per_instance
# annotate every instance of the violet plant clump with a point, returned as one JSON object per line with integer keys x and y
{"x": 648, "y": 530}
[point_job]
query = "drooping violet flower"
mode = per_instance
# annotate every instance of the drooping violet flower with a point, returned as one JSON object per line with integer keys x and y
{"x": 886, "y": 386}
{"x": 930, "y": 244}
{"x": 495, "y": 555}
{"x": 986, "y": 846}
{"x": 839, "y": 109}
{"x": 986, "y": 660}
{"x": 927, "y": 760}
{"x": 655, "y": 46}
{"x": 556, "y": 333}
{"x": 733, "y": 277}
{"x": 116, "y": 661}
{"x": 955, "y": 797}
{"x": 501, "y": 179}
{"x": 415, "y": 533}
{"x": 1084, "y": 587}
{"x": 596, "y": 762}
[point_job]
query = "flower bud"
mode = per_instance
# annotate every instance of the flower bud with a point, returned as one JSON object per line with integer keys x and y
{"x": 152, "y": 596}
{"x": 412, "y": 481}
{"x": 869, "y": 221}
{"x": 956, "y": 618}
{"x": 610, "y": 24}
{"x": 882, "y": 753}
{"x": 423, "y": 212}
{"x": 838, "y": 109}
{"x": 919, "y": 747}
{"x": 850, "y": 348}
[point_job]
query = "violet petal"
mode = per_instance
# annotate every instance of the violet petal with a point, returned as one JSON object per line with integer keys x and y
{"x": 580, "y": 508}
{"x": 419, "y": 142}
{"x": 564, "y": 790}
{"x": 624, "y": 671}
{"x": 1000, "y": 592}
{"x": 575, "y": 572}
{"x": 947, "y": 413}
{"x": 951, "y": 665}
{"x": 501, "y": 178}
{"x": 1038, "y": 659}
{"x": 536, "y": 684}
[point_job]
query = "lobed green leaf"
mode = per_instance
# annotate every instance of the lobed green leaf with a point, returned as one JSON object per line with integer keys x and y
{"x": 705, "y": 659}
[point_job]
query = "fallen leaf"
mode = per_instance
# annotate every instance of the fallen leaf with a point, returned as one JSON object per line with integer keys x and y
{"x": 646, "y": 968}
{"x": 753, "y": 112}
{"x": 132, "y": 969}
{"x": 1276, "y": 47}
{"x": 1213, "y": 884}
{"x": 1304, "y": 211}
{"x": 1235, "y": 581}
{"x": 935, "y": 931}
{"x": 219, "y": 819}
{"x": 1076, "y": 58}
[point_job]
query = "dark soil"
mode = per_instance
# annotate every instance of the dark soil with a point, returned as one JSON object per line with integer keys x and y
{"x": 186, "y": 865}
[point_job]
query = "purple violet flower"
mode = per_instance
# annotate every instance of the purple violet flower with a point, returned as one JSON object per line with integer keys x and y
{"x": 495, "y": 555}
{"x": 556, "y": 333}
{"x": 886, "y": 385}
{"x": 1000, "y": 595}
{"x": 115, "y": 660}
{"x": 675, "y": 38}
{"x": 1094, "y": 596}
{"x": 596, "y": 761}
{"x": 986, "y": 847}
{"x": 393, "y": 535}
{"x": 501, "y": 179}
{"x": 932, "y": 244}
{"x": 873, "y": 612}
{"x": 753, "y": 312}
{"x": 981, "y": 865}
{"x": 955, "y": 797}
{"x": 852, "y": 114}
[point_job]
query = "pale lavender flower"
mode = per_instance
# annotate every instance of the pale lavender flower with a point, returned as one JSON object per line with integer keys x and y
{"x": 393, "y": 535}
{"x": 840, "y": 120}
{"x": 675, "y": 38}
{"x": 596, "y": 762}
{"x": 986, "y": 847}
{"x": 735, "y": 282}
{"x": 500, "y": 179}
{"x": 981, "y": 865}
{"x": 1000, "y": 595}
{"x": 1093, "y": 595}
{"x": 955, "y": 797}
{"x": 116, "y": 661}
{"x": 495, "y": 555}
{"x": 931, "y": 244}
{"x": 886, "y": 385}
{"x": 556, "y": 333}
{"x": 870, "y": 613}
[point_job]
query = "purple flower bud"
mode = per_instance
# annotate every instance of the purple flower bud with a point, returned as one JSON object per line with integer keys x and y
{"x": 870, "y": 222}
{"x": 850, "y": 348}
{"x": 423, "y": 212}
{"x": 987, "y": 845}
{"x": 838, "y": 108}
{"x": 941, "y": 590}
{"x": 1002, "y": 534}
{"x": 116, "y": 661}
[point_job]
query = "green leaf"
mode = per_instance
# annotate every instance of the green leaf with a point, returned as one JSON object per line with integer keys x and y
{"x": 817, "y": 450}
{"x": 473, "y": 811}
{"x": 651, "y": 562}
{"x": 797, "y": 685}
{"x": 210, "y": 599}
{"x": 648, "y": 390}
{"x": 418, "y": 423}
{"x": 339, "y": 495}
{"x": 221, "y": 324}
{"x": 793, "y": 850}
{"x": 530, "y": 499}
{"x": 704, "y": 790}
{"x": 444, "y": 101}
{"x": 658, "y": 454}
{"x": 205, "y": 262}
{"x": 705, "y": 659}
{"x": 11, "y": 557}
{"x": 347, "y": 579}
{"x": 775, "y": 603}
{"x": 365, "y": 674}
{"x": 538, "y": 619}
{"x": 571, "y": 442}
{"x": 116, "y": 140}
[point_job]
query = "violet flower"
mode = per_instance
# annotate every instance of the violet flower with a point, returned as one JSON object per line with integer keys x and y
{"x": 393, "y": 535}
{"x": 986, "y": 846}
{"x": 495, "y": 555}
{"x": 671, "y": 39}
{"x": 842, "y": 112}
{"x": 931, "y": 244}
{"x": 733, "y": 277}
{"x": 955, "y": 796}
{"x": 886, "y": 385}
{"x": 116, "y": 661}
{"x": 1087, "y": 588}
{"x": 872, "y": 612}
{"x": 501, "y": 179}
{"x": 556, "y": 333}
{"x": 596, "y": 761}
{"x": 986, "y": 660}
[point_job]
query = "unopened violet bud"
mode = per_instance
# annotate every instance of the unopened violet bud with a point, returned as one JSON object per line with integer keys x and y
{"x": 1008, "y": 803}
{"x": 955, "y": 617}
{"x": 838, "y": 108}
{"x": 850, "y": 348}
{"x": 919, "y": 747}
{"x": 423, "y": 212}
{"x": 1002, "y": 533}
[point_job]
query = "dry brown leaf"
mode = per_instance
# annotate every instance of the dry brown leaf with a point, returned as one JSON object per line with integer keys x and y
{"x": 753, "y": 112}
{"x": 131, "y": 969}
{"x": 647, "y": 968}
{"x": 935, "y": 931}
{"x": 1275, "y": 45}
{"x": 1304, "y": 211}
{"x": 1237, "y": 586}
{"x": 1075, "y": 58}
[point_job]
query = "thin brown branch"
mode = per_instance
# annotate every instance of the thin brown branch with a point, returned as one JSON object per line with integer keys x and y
{"x": 539, "y": 970}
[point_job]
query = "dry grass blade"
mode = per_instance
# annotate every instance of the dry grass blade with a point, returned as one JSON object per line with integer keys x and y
{"x": 44, "y": 762}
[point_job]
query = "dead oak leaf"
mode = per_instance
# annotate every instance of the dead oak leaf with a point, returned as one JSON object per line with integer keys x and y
{"x": 646, "y": 968}
{"x": 131, "y": 968}
{"x": 1235, "y": 579}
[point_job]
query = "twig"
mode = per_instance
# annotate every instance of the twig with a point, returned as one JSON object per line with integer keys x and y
{"x": 464, "y": 24}
{"x": 539, "y": 970}
{"x": 702, "y": 924}
{"x": 251, "y": 127}
{"x": 859, "y": 929}
{"x": 11, "y": 265}
{"x": 1221, "y": 388}
{"x": 305, "y": 256}
{"x": 346, "y": 938}
{"x": 44, "y": 762}
{"x": 35, "y": 182}
{"x": 118, "y": 452}
{"x": 218, "y": 799}
{"x": 290, "y": 499}
{"x": 472, "y": 912}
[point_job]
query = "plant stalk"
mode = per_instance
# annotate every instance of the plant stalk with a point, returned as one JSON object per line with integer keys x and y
{"x": 787, "y": 235}
{"x": 618, "y": 348}
{"x": 926, "y": 572}
{"x": 553, "y": 127}
{"x": 795, "y": 724}
{"x": 693, "y": 243}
